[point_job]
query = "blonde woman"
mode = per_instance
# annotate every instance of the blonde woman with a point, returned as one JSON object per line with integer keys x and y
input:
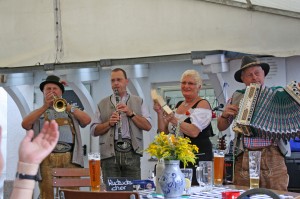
{"x": 192, "y": 117}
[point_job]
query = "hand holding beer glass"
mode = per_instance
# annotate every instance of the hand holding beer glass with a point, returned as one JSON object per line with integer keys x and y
{"x": 254, "y": 168}
{"x": 218, "y": 167}
{"x": 94, "y": 167}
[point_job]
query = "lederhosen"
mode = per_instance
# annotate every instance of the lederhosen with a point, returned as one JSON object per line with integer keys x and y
{"x": 202, "y": 141}
{"x": 61, "y": 156}
{"x": 62, "y": 147}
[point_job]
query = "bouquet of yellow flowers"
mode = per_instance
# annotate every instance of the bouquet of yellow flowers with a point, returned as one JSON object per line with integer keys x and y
{"x": 173, "y": 147}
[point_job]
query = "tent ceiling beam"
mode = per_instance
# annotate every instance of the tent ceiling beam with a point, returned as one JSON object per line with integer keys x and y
{"x": 194, "y": 55}
{"x": 50, "y": 66}
{"x": 158, "y": 59}
{"x": 105, "y": 63}
{"x": 250, "y": 6}
{"x": 101, "y": 63}
{"x": 144, "y": 60}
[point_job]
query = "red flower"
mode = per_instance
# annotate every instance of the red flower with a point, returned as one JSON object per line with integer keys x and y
{"x": 214, "y": 115}
{"x": 187, "y": 113}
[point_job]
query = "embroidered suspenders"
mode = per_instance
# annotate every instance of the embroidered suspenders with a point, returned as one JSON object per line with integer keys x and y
{"x": 62, "y": 147}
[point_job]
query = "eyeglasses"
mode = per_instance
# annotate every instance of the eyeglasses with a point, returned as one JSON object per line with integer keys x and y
{"x": 188, "y": 83}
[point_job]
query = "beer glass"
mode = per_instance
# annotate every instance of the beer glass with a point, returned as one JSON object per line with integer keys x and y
{"x": 218, "y": 167}
{"x": 204, "y": 175}
{"x": 95, "y": 170}
{"x": 254, "y": 168}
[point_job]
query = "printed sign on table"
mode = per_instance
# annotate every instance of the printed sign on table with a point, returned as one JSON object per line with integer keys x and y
{"x": 119, "y": 184}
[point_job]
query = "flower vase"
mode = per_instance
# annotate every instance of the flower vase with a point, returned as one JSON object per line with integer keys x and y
{"x": 172, "y": 180}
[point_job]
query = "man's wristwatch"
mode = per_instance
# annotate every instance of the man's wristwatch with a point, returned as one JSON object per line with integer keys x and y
{"x": 132, "y": 115}
{"x": 73, "y": 108}
{"x": 24, "y": 176}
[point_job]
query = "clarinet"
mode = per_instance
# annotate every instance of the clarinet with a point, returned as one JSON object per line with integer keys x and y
{"x": 122, "y": 145}
{"x": 116, "y": 92}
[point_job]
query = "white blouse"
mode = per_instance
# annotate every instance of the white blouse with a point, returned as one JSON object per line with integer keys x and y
{"x": 200, "y": 117}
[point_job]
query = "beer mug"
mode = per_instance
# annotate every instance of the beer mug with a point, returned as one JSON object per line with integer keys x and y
{"x": 204, "y": 175}
{"x": 95, "y": 170}
{"x": 218, "y": 167}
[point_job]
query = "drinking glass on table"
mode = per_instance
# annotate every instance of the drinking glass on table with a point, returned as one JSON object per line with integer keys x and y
{"x": 204, "y": 175}
{"x": 218, "y": 167}
{"x": 95, "y": 170}
{"x": 254, "y": 168}
{"x": 188, "y": 174}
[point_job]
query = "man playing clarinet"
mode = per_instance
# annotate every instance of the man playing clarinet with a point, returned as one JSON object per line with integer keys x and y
{"x": 119, "y": 123}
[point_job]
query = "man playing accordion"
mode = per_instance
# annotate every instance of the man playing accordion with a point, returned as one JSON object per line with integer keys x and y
{"x": 273, "y": 173}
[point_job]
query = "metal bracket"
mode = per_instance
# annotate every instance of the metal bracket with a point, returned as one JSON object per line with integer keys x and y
{"x": 48, "y": 67}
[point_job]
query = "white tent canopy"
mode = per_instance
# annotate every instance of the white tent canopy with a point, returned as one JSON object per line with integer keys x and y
{"x": 35, "y": 32}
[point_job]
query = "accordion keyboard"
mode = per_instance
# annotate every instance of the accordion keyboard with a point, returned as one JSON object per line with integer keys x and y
{"x": 246, "y": 106}
{"x": 268, "y": 112}
{"x": 294, "y": 90}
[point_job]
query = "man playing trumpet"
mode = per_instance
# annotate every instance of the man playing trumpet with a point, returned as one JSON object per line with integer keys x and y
{"x": 68, "y": 151}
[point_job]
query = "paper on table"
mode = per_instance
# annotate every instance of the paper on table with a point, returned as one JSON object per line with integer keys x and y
{"x": 157, "y": 98}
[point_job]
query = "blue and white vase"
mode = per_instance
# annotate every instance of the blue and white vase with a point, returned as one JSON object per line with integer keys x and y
{"x": 172, "y": 180}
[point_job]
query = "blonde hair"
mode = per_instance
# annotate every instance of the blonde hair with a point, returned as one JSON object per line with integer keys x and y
{"x": 194, "y": 74}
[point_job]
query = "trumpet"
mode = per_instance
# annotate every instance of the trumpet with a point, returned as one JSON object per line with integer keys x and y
{"x": 59, "y": 104}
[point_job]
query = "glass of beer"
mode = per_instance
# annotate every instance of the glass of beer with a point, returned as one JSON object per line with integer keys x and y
{"x": 218, "y": 167}
{"x": 254, "y": 168}
{"x": 95, "y": 170}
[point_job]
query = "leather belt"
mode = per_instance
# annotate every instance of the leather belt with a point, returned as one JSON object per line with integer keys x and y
{"x": 63, "y": 147}
{"x": 123, "y": 146}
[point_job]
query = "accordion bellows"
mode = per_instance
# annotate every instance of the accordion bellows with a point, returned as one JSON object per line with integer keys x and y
{"x": 266, "y": 112}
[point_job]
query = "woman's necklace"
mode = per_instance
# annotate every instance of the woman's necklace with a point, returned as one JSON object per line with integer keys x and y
{"x": 187, "y": 104}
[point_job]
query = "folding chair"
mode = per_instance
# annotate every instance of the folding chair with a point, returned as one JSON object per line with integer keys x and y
{"x": 82, "y": 178}
{"x": 74, "y": 194}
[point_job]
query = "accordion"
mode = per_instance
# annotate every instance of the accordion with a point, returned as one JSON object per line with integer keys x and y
{"x": 269, "y": 113}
